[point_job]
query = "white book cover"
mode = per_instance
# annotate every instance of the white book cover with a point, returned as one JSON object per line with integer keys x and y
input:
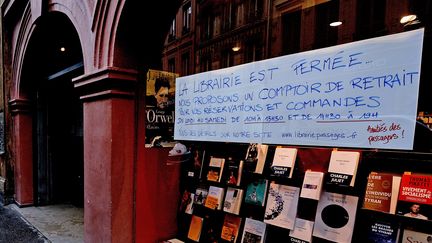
{"x": 233, "y": 200}
{"x": 335, "y": 217}
{"x": 281, "y": 208}
{"x": 262, "y": 154}
{"x": 312, "y": 185}
{"x": 343, "y": 167}
{"x": 302, "y": 230}
{"x": 283, "y": 162}
{"x": 215, "y": 197}
{"x": 254, "y": 231}
{"x": 410, "y": 236}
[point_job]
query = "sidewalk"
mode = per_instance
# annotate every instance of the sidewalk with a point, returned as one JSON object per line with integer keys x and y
{"x": 15, "y": 229}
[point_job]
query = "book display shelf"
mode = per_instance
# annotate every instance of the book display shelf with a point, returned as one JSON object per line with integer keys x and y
{"x": 314, "y": 195}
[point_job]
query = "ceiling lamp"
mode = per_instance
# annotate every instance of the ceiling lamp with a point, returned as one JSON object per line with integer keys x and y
{"x": 408, "y": 19}
{"x": 335, "y": 24}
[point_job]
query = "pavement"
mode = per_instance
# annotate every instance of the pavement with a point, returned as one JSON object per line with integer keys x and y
{"x": 44, "y": 224}
{"x": 14, "y": 228}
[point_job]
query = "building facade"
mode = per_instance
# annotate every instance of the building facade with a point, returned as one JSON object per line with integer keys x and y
{"x": 74, "y": 78}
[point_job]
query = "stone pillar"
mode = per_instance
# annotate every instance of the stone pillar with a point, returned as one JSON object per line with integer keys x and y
{"x": 23, "y": 148}
{"x": 108, "y": 97}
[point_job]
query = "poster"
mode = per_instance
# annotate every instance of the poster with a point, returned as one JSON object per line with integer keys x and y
{"x": 341, "y": 96}
{"x": 160, "y": 94}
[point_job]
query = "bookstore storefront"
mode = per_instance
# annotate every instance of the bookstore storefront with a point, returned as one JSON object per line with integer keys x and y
{"x": 323, "y": 145}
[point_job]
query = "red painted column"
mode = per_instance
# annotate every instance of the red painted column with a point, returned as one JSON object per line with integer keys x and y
{"x": 22, "y": 137}
{"x": 109, "y": 142}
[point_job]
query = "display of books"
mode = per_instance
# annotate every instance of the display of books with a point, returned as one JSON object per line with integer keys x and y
{"x": 240, "y": 212}
{"x": 415, "y": 196}
{"x": 254, "y": 231}
{"x": 343, "y": 167}
{"x": 283, "y": 162}
{"x": 382, "y": 192}
{"x": 281, "y": 206}
{"x": 256, "y": 192}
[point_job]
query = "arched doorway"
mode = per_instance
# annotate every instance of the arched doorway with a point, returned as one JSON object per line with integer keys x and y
{"x": 53, "y": 58}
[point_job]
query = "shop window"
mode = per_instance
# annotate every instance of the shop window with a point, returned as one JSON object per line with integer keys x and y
{"x": 370, "y": 19}
{"x": 187, "y": 18}
{"x": 185, "y": 64}
{"x": 291, "y": 23}
{"x": 171, "y": 65}
{"x": 325, "y": 35}
{"x": 240, "y": 15}
{"x": 172, "y": 31}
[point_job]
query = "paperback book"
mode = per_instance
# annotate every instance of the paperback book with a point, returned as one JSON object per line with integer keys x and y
{"x": 233, "y": 200}
{"x": 343, "y": 167}
{"x": 312, "y": 185}
{"x": 283, "y": 162}
{"x": 215, "y": 169}
{"x": 256, "y": 192}
{"x": 254, "y": 231}
{"x": 335, "y": 217}
{"x": 302, "y": 232}
{"x": 281, "y": 208}
{"x": 230, "y": 228}
{"x": 255, "y": 158}
{"x": 381, "y": 231}
{"x": 411, "y": 236}
{"x": 382, "y": 192}
{"x": 215, "y": 197}
{"x": 233, "y": 172}
{"x": 415, "y": 196}
{"x": 195, "y": 228}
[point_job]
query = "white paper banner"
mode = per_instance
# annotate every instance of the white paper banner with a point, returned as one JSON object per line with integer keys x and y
{"x": 361, "y": 94}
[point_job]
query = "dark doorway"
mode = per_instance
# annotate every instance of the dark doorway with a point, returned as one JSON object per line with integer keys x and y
{"x": 53, "y": 60}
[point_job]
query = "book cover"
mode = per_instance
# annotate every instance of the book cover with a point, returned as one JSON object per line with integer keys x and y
{"x": 281, "y": 208}
{"x": 187, "y": 199}
{"x": 198, "y": 159}
{"x": 255, "y": 158}
{"x": 312, "y": 185}
{"x": 343, "y": 167}
{"x": 411, "y": 236}
{"x": 200, "y": 195}
{"x": 380, "y": 231}
{"x": 254, "y": 231}
{"x": 283, "y": 162}
{"x": 415, "y": 196}
{"x": 214, "y": 197}
{"x": 256, "y": 192}
{"x": 382, "y": 191}
{"x": 230, "y": 228}
{"x": 233, "y": 200}
{"x": 215, "y": 169}
{"x": 233, "y": 172}
{"x": 195, "y": 228}
{"x": 173, "y": 241}
{"x": 302, "y": 232}
{"x": 335, "y": 217}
